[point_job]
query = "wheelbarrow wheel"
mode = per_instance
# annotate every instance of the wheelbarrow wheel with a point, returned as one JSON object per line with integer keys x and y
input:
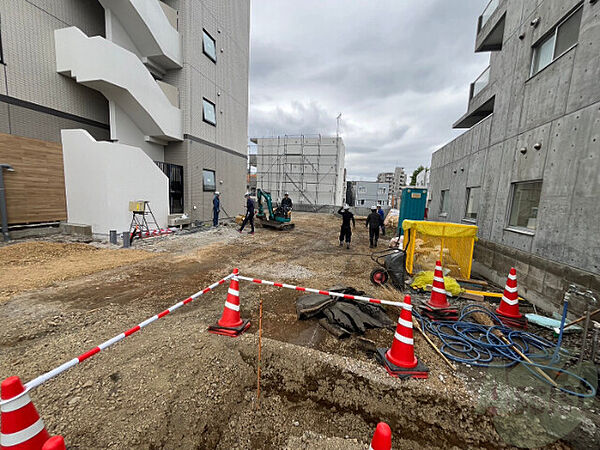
{"x": 379, "y": 277}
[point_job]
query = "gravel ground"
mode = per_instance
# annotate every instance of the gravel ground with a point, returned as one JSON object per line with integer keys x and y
{"x": 173, "y": 385}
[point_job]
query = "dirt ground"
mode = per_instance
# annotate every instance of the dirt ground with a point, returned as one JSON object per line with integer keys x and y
{"x": 173, "y": 385}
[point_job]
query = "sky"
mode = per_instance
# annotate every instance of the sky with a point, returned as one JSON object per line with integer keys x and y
{"x": 397, "y": 70}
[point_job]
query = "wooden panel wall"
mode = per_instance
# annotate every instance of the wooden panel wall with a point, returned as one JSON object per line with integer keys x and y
{"x": 35, "y": 191}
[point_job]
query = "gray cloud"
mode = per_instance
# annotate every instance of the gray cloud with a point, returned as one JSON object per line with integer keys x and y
{"x": 398, "y": 71}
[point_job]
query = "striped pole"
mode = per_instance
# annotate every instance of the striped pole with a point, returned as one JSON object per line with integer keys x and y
{"x": 60, "y": 369}
{"x": 332, "y": 294}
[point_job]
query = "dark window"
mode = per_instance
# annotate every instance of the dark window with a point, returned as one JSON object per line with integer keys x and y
{"x": 525, "y": 203}
{"x": 208, "y": 180}
{"x": 560, "y": 39}
{"x": 444, "y": 202}
{"x": 473, "y": 196}
{"x": 209, "y": 113}
{"x": 209, "y": 47}
{"x": 175, "y": 175}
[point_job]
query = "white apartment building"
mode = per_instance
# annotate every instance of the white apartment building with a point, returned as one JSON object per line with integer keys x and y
{"x": 138, "y": 100}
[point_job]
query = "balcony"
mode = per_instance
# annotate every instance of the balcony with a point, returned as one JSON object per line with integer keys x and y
{"x": 490, "y": 29}
{"x": 152, "y": 26}
{"x": 480, "y": 83}
{"x": 121, "y": 77}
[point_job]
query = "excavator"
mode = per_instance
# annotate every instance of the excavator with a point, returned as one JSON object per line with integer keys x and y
{"x": 278, "y": 218}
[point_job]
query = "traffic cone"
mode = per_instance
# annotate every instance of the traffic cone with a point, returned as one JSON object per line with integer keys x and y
{"x": 21, "y": 427}
{"x": 508, "y": 311}
{"x": 438, "y": 291}
{"x": 55, "y": 443}
{"x": 400, "y": 360}
{"x": 231, "y": 323}
{"x": 382, "y": 439}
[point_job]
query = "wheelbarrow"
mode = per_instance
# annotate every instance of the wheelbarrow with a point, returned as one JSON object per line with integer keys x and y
{"x": 392, "y": 266}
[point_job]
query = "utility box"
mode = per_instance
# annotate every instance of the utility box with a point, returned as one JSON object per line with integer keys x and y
{"x": 412, "y": 206}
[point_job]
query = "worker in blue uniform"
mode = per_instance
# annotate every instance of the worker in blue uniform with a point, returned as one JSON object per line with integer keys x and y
{"x": 249, "y": 213}
{"x": 216, "y": 208}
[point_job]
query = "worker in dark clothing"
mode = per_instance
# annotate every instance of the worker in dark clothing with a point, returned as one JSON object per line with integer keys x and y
{"x": 346, "y": 231}
{"x": 216, "y": 209}
{"x": 382, "y": 214}
{"x": 249, "y": 213}
{"x": 286, "y": 205}
{"x": 373, "y": 223}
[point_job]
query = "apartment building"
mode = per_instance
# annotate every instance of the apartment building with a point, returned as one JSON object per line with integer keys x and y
{"x": 385, "y": 177}
{"x": 309, "y": 167}
{"x": 527, "y": 170}
{"x": 368, "y": 193}
{"x": 130, "y": 100}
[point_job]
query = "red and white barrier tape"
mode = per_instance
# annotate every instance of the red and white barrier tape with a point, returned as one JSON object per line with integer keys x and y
{"x": 60, "y": 369}
{"x": 332, "y": 294}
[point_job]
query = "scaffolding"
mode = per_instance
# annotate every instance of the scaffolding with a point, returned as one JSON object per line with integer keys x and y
{"x": 309, "y": 167}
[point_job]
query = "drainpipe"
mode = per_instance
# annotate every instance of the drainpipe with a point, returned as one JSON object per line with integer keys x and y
{"x": 3, "y": 212}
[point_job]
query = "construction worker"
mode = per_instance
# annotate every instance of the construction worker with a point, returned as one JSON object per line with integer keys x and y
{"x": 216, "y": 209}
{"x": 286, "y": 205}
{"x": 249, "y": 213}
{"x": 373, "y": 223}
{"x": 382, "y": 214}
{"x": 346, "y": 231}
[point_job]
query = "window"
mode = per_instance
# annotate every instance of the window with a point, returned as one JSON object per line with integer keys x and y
{"x": 524, "y": 206}
{"x": 561, "y": 39}
{"x": 209, "y": 47}
{"x": 473, "y": 195}
{"x": 362, "y": 190}
{"x": 208, "y": 179}
{"x": 209, "y": 114}
{"x": 444, "y": 202}
{"x": 381, "y": 191}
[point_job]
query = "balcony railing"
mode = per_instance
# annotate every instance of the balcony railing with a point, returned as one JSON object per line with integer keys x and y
{"x": 481, "y": 82}
{"x": 487, "y": 12}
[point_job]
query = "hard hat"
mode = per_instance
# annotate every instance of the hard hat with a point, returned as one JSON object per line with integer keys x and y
{"x": 346, "y": 207}
{"x": 247, "y": 194}
{"x": 287, "y": 193}
{"x": 217, "y": 193}
{"x": 373, "y": 207}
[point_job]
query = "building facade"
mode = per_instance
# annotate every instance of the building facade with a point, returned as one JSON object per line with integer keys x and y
{"x": 310, "y": 168}
{"x": 527, "y": 171}
{"x": 148, "y": 99}
{"x": 385, "y": 177}
{"x": 368, "y": 193}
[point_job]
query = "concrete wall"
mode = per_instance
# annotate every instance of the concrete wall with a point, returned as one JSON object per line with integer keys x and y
{"x": 101, "y": 178}
{"x": 559, "y": 109}
{"x": 311, "y": 169}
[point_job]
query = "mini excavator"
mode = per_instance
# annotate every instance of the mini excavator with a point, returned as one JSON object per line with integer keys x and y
{"x": 279, "y": 218}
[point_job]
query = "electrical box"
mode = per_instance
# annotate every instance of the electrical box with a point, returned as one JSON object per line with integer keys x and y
{"x": 412, "y": 206}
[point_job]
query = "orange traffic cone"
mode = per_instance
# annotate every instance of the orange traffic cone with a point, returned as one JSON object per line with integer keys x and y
{"x": 231, "y": 323}
{"x": 55, "y": 443}
{"x": 382, "y": 439}
{"x": 400, "y": 360}
{"x": 508, "y": 310}
{"x": 438, "y": 291}
{"x": 21, "y": 427}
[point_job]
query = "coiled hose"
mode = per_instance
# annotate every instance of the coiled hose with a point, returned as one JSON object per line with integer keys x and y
{"x": 478, "y": 345}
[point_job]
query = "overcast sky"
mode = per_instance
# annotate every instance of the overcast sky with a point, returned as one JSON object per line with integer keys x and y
{"x": 398, "y": 71}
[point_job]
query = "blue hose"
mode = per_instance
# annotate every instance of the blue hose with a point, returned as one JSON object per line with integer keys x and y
{"x": 475, "y": 344}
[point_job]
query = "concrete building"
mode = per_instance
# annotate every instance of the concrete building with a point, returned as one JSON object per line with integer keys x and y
{"x": 527, "y": 171}
{"x": 386, "y": 177}
{"x": 399, "y": 179}
{"x": 368, "y": 193}
{"x": 310, "y": 168}
{"x": 148, "y": 98}
{"x": 423, "y": 178}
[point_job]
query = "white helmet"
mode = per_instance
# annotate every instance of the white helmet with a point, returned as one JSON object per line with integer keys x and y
{"x": 346, "y": 207}
{"x": 373, "y": 208}
{"x": 217, "y": 193}
{"x": 247, "y": 194}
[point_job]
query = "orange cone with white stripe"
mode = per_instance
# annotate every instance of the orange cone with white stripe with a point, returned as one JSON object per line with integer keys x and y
{"x": 438, "y": 291}
{"x": 400, "y": 360}
{"x": 382, "y": 439}
{"x": 231, "y": 322}
{"x": 21, "y": 427}
{"x": 509, "y": 306}
{"x": 55, "y": 443}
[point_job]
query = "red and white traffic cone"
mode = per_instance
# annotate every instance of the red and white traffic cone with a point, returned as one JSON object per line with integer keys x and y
{"x": 55, "y": 443}
{"x": 21, "y": 427}
{"x": 231, "y": 322}
{"x": 508, "y": 311}
{"x": 438, "y": 297}
{"x": 382, "y": 439}
{"x": 400, "y": 360}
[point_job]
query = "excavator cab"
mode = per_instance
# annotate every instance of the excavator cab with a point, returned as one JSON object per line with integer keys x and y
{"x": 268, "y": 216}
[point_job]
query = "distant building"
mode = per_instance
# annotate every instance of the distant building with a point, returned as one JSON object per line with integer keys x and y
{"x": 310, "y": 168}
{"x": 526, "y": 171}
{"x": 386, "y": 177}
{"x": 369, "y": 193}
{"x": 423, "y": 178}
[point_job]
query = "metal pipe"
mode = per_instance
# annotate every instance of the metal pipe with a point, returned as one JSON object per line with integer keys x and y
{"x": 3, "y": 210}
